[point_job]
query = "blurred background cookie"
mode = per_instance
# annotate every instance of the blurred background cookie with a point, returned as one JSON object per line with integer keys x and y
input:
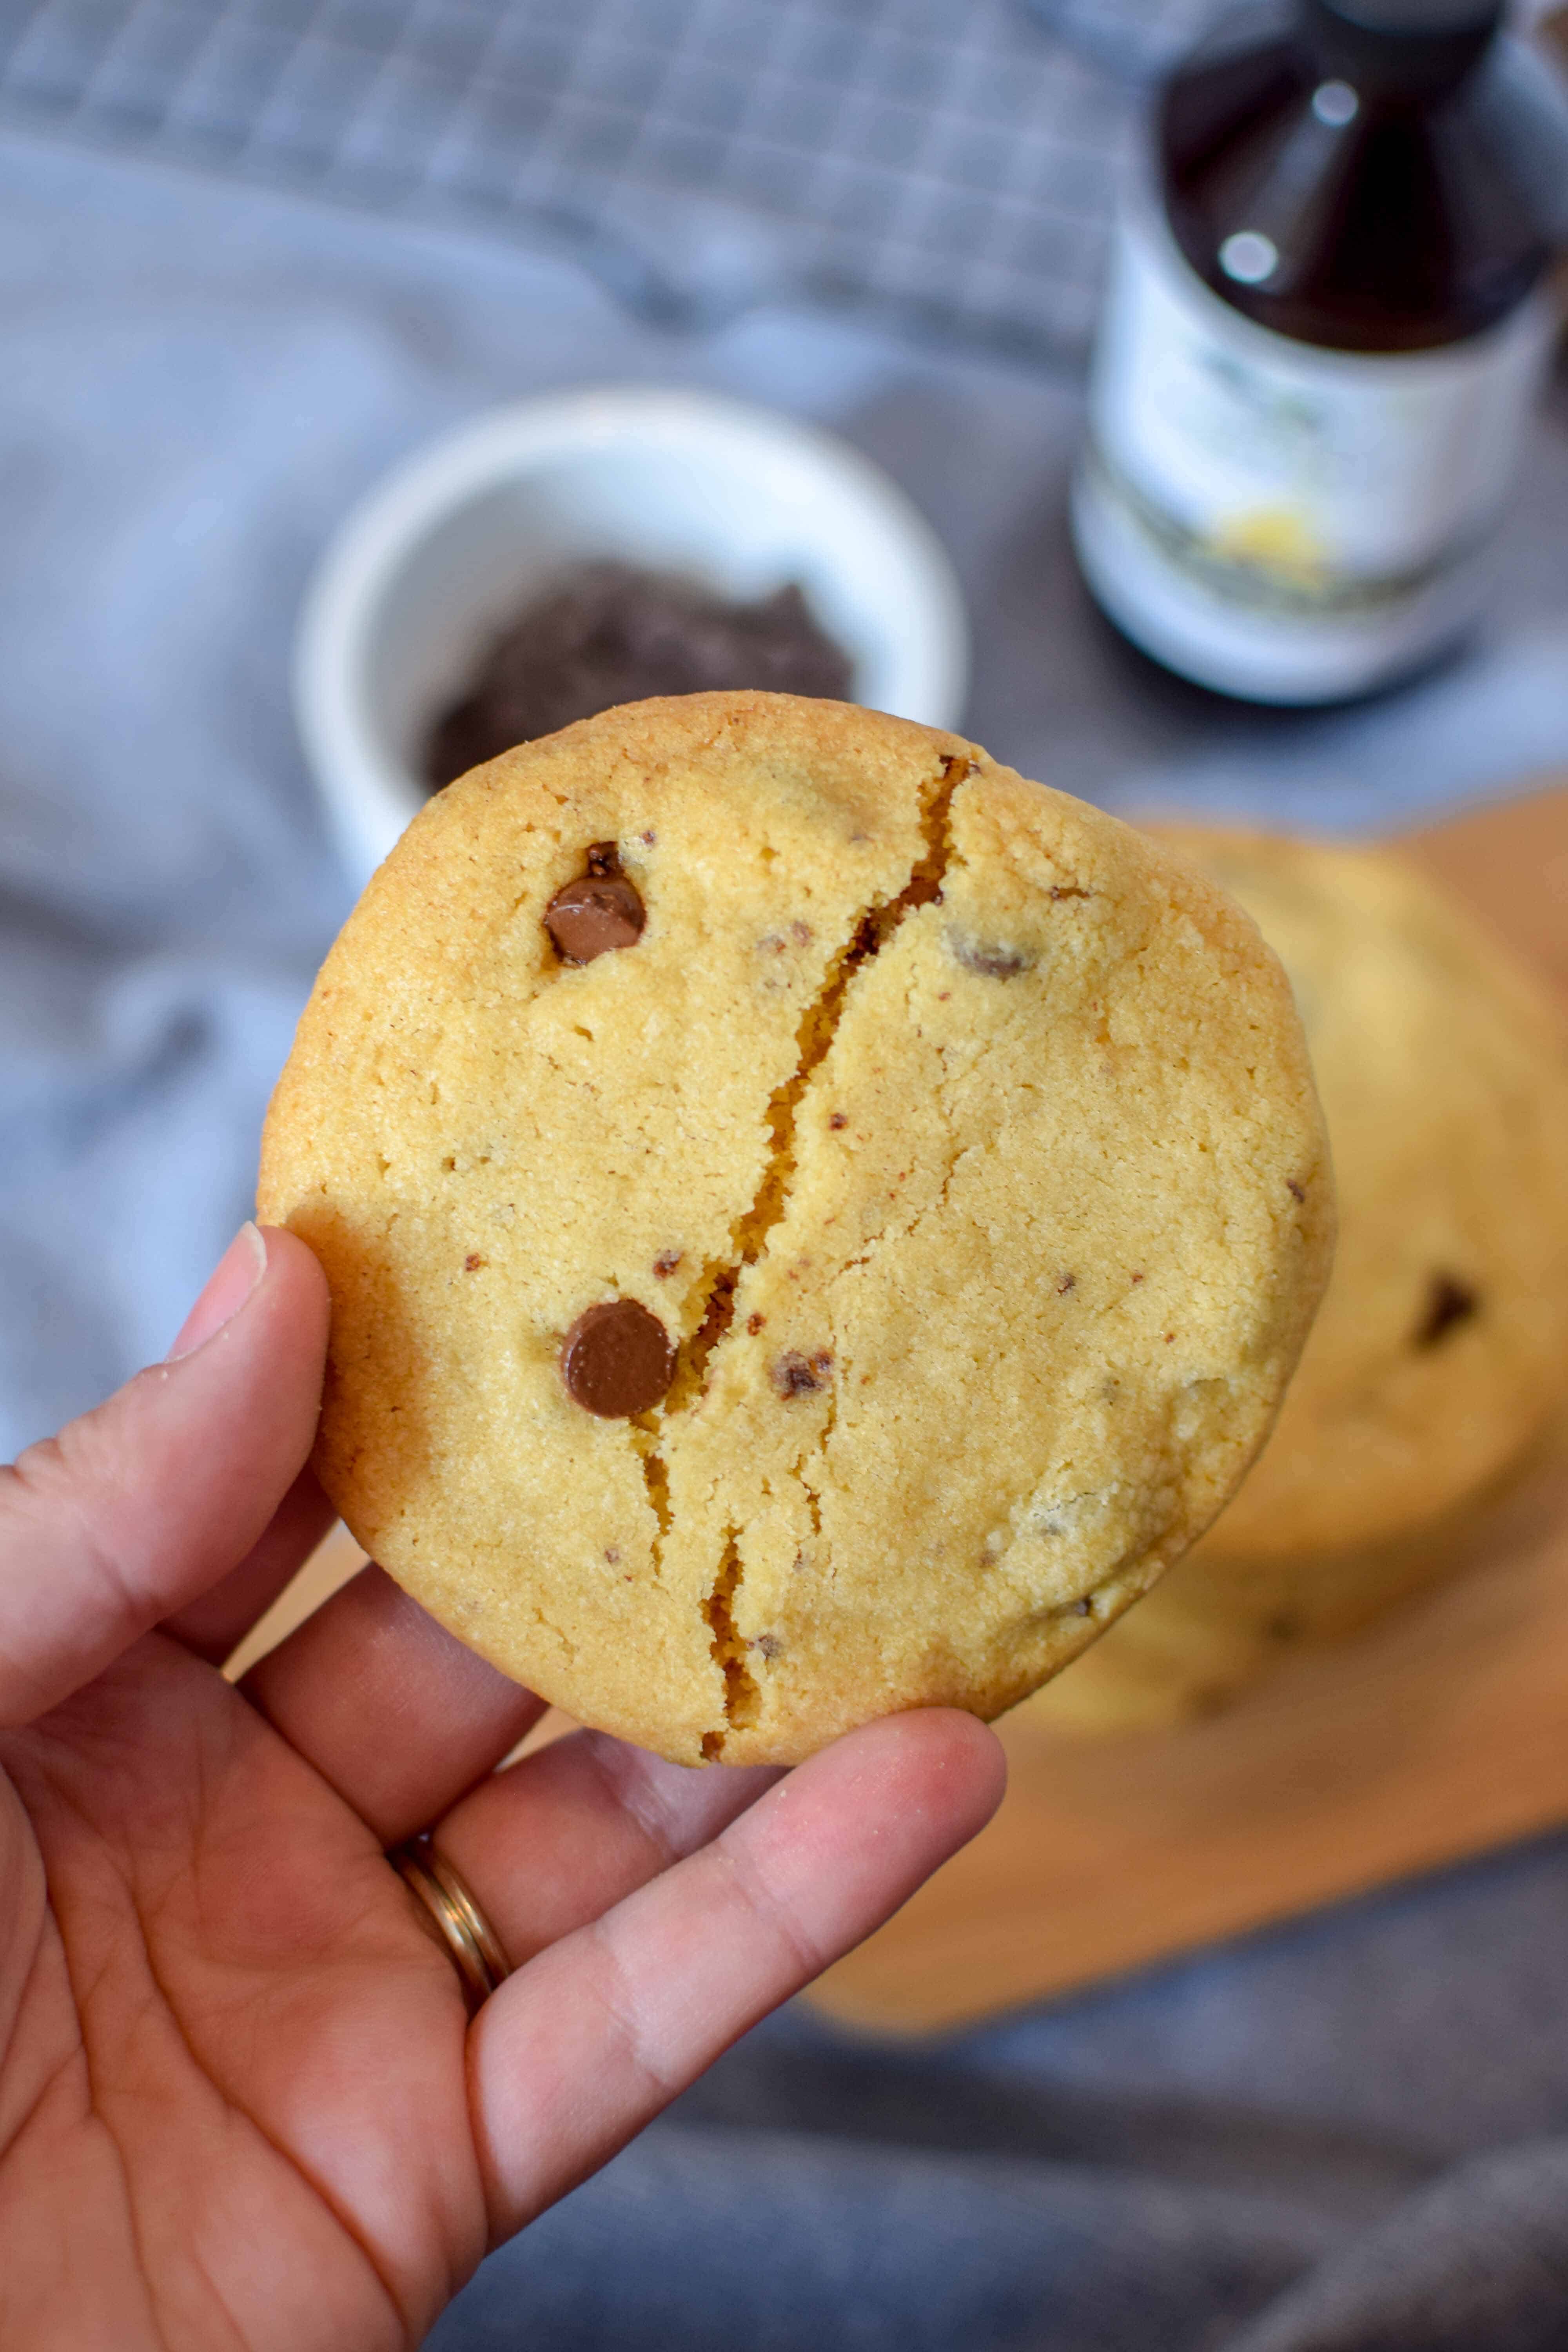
{"x": 815, "y": 1223}
{"x": 1435, "y": 1368}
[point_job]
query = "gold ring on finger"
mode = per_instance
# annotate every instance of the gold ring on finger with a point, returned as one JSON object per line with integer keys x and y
{"x": 450, "y": 1914}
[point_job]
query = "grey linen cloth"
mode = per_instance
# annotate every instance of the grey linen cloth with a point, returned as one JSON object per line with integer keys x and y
{"x": 1351, "y": 2132}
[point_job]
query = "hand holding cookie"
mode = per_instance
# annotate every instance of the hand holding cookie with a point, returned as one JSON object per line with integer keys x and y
{"x": 240, "y": 2100}
{"x": 810, "y": 1224}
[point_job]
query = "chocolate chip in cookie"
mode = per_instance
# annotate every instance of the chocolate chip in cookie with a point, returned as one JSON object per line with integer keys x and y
{"x": 617, "y": 1359}
{"x": 796, "y": 1375}
{"x": 1449, "y": 1302}
{"x": 597, "y": 912}
{"x": 988, "y": 958}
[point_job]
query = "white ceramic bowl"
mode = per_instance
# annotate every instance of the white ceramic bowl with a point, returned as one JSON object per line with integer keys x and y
{"x": 441, "y": 553}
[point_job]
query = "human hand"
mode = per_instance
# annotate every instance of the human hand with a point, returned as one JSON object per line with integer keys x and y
{"x": 240, "y": 2102}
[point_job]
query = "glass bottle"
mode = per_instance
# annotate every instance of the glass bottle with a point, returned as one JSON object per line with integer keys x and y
{"x": 1326, "y": 326}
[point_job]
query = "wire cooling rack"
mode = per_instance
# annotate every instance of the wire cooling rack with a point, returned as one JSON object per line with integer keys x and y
{"x": 950, "y": 159}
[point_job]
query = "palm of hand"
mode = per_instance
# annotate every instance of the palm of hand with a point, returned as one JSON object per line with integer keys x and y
{"x": 240, "y": 2101}
{"x": 234, "y": 2059}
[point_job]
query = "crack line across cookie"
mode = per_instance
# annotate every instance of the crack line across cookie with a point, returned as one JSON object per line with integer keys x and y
{"x": 818, "y": 1027}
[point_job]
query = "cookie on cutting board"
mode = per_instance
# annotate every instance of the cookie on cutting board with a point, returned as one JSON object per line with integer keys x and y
{"x": 1436, "y": 1365}
{"x": 815, "y": 1223}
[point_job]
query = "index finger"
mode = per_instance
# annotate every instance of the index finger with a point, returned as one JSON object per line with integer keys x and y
{"x": 136, "y": 1508}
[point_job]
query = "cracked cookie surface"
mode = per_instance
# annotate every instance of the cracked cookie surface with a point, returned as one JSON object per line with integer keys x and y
{"x": 960, "y": 1141}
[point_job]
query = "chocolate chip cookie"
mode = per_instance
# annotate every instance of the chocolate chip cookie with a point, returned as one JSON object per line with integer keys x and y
{"x": 1439, "y": 1359}
{"x": 815, "y": 1223}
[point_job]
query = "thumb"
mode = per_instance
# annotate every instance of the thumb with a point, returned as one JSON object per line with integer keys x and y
{"x": 139, "y": 1507}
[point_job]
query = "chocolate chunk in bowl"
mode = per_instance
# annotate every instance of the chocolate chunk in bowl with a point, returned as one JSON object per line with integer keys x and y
{"x": 604, "y": 634}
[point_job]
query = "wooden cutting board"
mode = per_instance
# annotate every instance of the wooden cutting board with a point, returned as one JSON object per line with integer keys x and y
{"x": 1440, "y": 1733}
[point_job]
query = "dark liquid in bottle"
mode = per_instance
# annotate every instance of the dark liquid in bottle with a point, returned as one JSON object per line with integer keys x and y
{"x": 1362, "y": 150}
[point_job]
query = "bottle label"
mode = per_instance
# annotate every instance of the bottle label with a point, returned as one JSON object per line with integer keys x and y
{"x": 1287, "y": 477}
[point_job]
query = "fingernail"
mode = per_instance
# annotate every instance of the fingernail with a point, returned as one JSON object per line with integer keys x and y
{"x": 229, "y": 1284}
